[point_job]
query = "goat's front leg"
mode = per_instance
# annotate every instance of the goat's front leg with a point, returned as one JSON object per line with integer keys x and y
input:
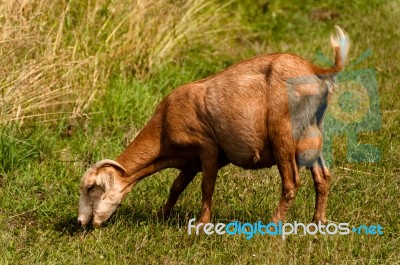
{"x": 209, "y": 160}
{"x": 321, "y": 176}
{"x": 179, "y": 185}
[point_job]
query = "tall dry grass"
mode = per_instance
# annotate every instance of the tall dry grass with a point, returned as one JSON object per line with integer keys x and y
{"x": 55, "y": 56}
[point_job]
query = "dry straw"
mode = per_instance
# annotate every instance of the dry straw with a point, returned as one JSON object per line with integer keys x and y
{"x": 55, "y": 56}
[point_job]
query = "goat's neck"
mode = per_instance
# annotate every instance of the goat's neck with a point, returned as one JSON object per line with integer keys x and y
{"x": 141, "y": 153}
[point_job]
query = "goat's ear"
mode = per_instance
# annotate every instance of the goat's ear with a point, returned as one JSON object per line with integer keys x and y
{"x": 105, "y": 177}
{"x": 91, "y": 177}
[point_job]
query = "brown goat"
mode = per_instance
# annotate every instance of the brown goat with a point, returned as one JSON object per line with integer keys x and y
{"x": 257, "y": 113}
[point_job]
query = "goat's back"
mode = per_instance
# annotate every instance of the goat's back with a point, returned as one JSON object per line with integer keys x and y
{"x": 248, "y": 102}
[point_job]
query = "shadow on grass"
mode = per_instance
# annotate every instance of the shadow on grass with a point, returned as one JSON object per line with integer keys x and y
{"x": 69, "y": 226}
{"x": 125, "y": 215}
{"x": 131, "y": 215}
{"x": 180, "y": 216}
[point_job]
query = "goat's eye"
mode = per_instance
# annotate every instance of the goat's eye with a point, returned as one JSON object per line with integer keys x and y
{"x": 90, "y": 188}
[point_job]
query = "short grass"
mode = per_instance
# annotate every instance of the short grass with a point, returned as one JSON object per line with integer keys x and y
{"x": 42, "y": 163}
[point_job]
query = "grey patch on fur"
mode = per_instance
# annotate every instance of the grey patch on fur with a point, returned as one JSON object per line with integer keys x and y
{"x": 307, "y": 109}
{"x": 308, "y": 157}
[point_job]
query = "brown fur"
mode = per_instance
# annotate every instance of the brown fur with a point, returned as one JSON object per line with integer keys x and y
{"x": 238, "y": 116}
{"x": 241, "y": 116}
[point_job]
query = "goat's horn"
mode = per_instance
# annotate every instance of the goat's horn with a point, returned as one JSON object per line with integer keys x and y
{"x": 108, "y": 162}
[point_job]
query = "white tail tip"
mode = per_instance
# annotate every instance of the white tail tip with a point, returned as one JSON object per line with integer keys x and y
{"x": 340, "y": 40}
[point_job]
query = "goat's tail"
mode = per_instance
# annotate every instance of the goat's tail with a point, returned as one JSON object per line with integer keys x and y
{"x": 340, "y": 43}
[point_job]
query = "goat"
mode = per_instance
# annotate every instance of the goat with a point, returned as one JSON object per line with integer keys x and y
{"x": 260, "y": 112}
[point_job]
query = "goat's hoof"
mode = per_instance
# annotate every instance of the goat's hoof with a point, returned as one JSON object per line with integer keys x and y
{"x": 203, "y": 221}
{"x": 163, "y": 215}
{"x": 319, "y": 219}
{"x": 276, "y": 219}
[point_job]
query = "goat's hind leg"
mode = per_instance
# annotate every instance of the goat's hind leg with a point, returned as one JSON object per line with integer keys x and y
{"x": 321, "y": 176}
{"x": 290, "y": 184}
{"x": 179, "y": 185}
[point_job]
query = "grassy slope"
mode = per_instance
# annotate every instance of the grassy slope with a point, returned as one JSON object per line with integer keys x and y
{"x": 42, "y": 164}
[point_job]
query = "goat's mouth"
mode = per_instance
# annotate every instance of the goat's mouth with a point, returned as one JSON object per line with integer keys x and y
{"x": 95, "y": 218}
{"x": 99, "y": 219}
{"x": 95, "y": 222}
{"x": 82, "y": 222}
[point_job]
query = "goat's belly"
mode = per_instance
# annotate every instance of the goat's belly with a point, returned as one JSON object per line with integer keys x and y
{"x": 238, "y": 122}
{"x": 259, "y": 160}
{"x": 246, "y": 151}
{"x": 309, "y": 146}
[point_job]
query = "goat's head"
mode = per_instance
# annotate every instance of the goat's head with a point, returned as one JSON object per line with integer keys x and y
{"x": 101, "y": 192}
